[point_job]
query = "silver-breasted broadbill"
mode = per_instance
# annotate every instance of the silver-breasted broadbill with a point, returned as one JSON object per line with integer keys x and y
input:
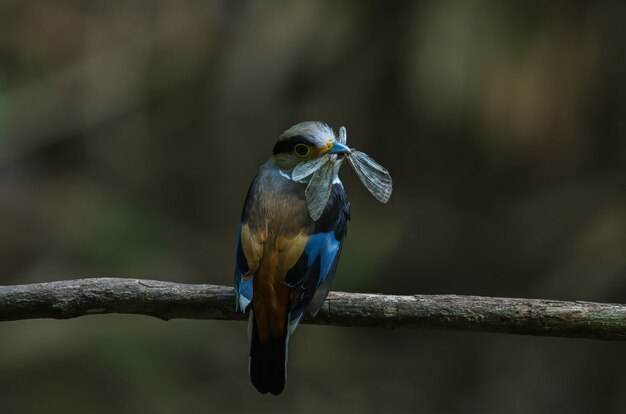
{"x": 286, "y": 261}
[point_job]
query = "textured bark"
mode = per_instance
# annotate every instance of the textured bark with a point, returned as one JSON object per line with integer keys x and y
{"x": 166, "y": 300}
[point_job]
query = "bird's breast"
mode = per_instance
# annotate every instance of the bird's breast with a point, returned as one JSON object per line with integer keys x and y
{"x": 279, "y": 225}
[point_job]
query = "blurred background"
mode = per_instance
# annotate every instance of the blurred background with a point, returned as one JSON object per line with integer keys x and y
{"x": 130, "y": 131}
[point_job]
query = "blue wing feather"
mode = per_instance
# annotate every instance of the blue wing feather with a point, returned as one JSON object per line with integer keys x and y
{"x": 314, "y": 272}
{"x": 243, "y": 287}
{"x": 325, "y": 247}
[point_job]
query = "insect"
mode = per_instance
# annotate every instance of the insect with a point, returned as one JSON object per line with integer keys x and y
{"x": 292, "y": 229}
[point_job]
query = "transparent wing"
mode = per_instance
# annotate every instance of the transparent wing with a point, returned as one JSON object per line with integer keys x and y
{"x": 373, "y": 175}
{"x": 304, "y": 169}
{"x": 320, "y": 186}
{"x": 343, "y": 135}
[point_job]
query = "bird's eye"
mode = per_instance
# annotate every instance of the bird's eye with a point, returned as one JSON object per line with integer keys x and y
{"x": 301, "y": 150}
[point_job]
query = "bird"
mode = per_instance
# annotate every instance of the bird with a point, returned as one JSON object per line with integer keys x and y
{"x": 285, "y": 260}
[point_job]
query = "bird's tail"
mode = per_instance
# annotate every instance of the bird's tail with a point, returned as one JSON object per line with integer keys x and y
{"x": 268, "y": 362}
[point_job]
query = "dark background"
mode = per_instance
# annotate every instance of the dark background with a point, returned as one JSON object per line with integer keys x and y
{"x": 130, "y": 130}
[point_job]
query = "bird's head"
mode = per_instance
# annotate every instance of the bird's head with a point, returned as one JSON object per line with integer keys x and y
{"x": 304, "y": 142}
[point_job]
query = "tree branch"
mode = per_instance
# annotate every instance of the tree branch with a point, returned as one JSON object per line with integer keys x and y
{"x": 167, "y": 300}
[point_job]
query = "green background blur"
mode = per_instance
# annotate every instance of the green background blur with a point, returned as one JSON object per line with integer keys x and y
{"x": 130, "y": 130}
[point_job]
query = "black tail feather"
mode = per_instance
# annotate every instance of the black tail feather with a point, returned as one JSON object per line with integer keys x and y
{"x": 267, "y": 362}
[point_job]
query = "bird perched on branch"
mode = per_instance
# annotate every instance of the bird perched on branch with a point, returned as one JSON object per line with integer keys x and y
{"x": 286, "y": 260}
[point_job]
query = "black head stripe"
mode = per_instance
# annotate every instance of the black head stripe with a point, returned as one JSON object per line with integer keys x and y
{"x": 286, "y": 145}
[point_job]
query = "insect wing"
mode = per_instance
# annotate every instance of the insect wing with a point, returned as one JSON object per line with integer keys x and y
{"x": 373, "y": 175}
{"x": 343, "y": 135}
{"x": 304, "y": 169}
{"x": 319, "y": 188}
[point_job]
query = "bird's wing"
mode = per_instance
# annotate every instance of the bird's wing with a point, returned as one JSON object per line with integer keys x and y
{"x": 248, "y": 252}
{"x": 311, "y": 277}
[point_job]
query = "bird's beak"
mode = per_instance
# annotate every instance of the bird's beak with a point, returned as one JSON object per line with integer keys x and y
{"x": 336, "y": 147}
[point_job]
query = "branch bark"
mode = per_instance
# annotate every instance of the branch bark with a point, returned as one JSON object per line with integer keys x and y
{"x": 167, "y": 300}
